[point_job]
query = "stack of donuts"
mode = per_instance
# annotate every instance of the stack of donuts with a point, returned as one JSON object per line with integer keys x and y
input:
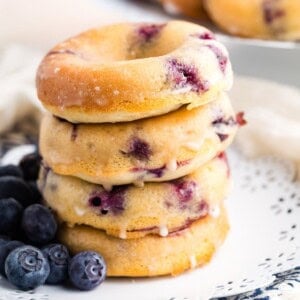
{"x": 133, "y": 147}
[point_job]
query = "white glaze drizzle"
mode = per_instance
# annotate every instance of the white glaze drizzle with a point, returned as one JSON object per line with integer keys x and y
{"x": 139, "y": 183}
{"x": 123, "y": 234}
{"x": 163, "y": 230}
{"x": 79, "y": 211}
{"x": 107, "y": 186}
{"x": 214, "y": 211}
{"x": 171, "y": 8}
{"x": 172, "y": 165}
{"x": 193, "y": 146}
{"x": 193, "y": 261}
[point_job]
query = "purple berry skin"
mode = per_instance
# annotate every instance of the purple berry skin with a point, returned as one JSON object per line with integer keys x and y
{"x": 10, "y": 215}
{"x": 17, "y": 188}
{"x": 74, "y": 132}
{"x": 149, "y": 31}
{"x": 58, "y": 258}
{"x": 204, "y": 35}
{"x": 138, "y": 149}
{"x": 271, "y": 12}
{"x": 5, "y": 249}
{"x": 39, "y": 224}
{"x": 222, "y": 137}
{"x": 185, "y": 191}
{"x": 27, "y": 268}
{"x": 109, "y": 202}
{"x": 87, "y": 270}
{"x": 182, "y": 75}
{"x": 11, "y": 170}
{"x": 158, "y": 172}
{"x": 30, "y": 165}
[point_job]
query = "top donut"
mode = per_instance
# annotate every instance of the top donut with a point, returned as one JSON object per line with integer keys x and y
{"x": 131, "y": 71}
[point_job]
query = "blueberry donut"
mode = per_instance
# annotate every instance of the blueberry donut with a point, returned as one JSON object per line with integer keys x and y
{"x": 266, "y": 19}
{"x": 151, "y": 255}
{"x": 131, "y": 212}
{"x": 191, "y": 8}
{"x": 130, "y": 71}
{"x": 156, "y": 149}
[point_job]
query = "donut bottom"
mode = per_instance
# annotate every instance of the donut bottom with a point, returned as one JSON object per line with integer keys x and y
{"x": 151, "y": 255}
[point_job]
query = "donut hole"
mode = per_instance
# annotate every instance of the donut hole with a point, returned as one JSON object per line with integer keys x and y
{"x": 123, "y": 43}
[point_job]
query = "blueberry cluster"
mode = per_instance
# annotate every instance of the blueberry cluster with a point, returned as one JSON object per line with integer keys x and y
{"x": 29, "y": 254}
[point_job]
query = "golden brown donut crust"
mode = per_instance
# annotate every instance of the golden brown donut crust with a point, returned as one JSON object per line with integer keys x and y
{"x": 151, "y": 255}
{"x": 155, "y": 149}
{"x": 130, "y": 71}
{"x": 133, "y": 212}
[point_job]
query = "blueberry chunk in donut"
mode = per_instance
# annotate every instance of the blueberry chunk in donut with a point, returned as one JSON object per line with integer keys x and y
{"x": 185, "y": 191}
{"x": 208, "y": 35}
{"x": 271, "y": 12}
{"x": 220, "y": 124}
{"x": 74, "y": 132}
{"x": 182, "y": 75}
{"x": 222, "y": 136}
{"x": 223, "y": 121}
{"x": 148, "y": 32}
{"x": 106, "y": 202}
{"x": 138, "y": 149}
{"x": 222, "y": 59}
{"x": 156, "y": 172}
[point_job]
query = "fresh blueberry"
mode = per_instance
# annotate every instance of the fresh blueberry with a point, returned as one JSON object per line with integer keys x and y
{"x": 39, "y": 224}
{"x": 87, "y": 270}
{"x": 58, "y": 258}
{"x": 26, "y": 268}
{"x": 10, "y": 215}
{"x": 30, "y": 165}
{"x": 13, "y": 187}
{"x": 35, "y": 192}
{"x": 5, "y": 249}
{"x": 11, "y": 170}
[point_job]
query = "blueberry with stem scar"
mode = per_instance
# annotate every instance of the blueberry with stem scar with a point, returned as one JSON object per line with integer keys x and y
{"x": 87, "y": 270}
{"x": 26, "y": 268}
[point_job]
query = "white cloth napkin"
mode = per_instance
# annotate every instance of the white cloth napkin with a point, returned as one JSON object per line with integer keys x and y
{"x": 17, "y": 89}
{"x": 273, "y": 114}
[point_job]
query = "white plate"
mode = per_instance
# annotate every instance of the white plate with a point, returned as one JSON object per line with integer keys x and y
{"x": 264, "y": 210}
